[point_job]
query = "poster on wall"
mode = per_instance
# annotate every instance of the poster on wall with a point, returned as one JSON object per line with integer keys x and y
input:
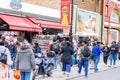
{"x": 88, "y": 23}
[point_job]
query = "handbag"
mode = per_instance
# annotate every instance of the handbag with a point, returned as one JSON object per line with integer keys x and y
{"x": 16, "y": 74}
{"x": 3, "y": 57}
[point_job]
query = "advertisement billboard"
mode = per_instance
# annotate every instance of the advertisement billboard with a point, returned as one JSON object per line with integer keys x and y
{"x": 88, "y": 23}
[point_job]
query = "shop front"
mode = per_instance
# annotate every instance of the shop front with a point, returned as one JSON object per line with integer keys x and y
{"x": 18, "y": 24}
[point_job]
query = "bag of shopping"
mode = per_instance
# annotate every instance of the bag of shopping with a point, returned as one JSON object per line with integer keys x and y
{"x": 16, "y": 74}
{"x": 73, "y": 60}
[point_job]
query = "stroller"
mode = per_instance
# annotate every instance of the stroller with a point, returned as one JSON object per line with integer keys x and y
{"x": 44, "y": 66}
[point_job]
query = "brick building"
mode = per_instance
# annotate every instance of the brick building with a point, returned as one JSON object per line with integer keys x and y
{"x": 112, "y": 21}
{"x": 90, "y": 5}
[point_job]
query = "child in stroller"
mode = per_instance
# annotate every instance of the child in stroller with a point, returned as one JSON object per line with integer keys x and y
{"x": 44, "y": 66}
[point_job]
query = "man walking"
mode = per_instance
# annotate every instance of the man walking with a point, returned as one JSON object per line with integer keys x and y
{"x": 113, "y": 54}
{"x": 84, "y": 54}
{"x": 96, "y": 51}
{"x": 55, "y": 47}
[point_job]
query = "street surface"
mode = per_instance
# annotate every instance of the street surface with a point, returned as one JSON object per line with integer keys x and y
{"x": 113, "y": 74}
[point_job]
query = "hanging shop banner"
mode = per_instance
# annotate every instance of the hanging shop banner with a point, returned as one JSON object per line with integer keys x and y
{"x": 3, "y": 72}
{"x": 16, "y": 4}
{"x": 65, "y": 12}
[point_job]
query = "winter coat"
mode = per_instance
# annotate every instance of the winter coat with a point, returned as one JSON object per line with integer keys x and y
{"x": 114, "y": 51}
{"x": 67, "y": 53}
{"x": 25, "y": 60}
{"x": 7, "y": 52}
{"x": 96, "y": 51}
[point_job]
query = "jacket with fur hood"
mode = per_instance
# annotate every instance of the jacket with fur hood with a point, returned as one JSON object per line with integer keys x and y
{"x": 25, "y": 60}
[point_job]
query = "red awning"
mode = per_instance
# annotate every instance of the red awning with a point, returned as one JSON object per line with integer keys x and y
{"x": 48, "y": 24}
{"x": 20, "y": 23}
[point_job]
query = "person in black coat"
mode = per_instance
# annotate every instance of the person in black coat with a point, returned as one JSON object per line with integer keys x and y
{"x": 13, "y": 51}
{"x": 106, "y": 51}
{"x": 66, "y": 58}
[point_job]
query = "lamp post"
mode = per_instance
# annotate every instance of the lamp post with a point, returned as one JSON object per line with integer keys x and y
{"x": 71, "y": 24}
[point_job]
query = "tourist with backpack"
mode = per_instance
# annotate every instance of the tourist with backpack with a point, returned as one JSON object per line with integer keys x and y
{"x": 96, "y": 51}
{"x": 56, "y": 48}
{"x": 84, "y": 54}
{"x": 5, "y": 56}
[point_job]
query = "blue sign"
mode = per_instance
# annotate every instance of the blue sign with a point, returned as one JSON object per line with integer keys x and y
{"x": 16, "y": 4}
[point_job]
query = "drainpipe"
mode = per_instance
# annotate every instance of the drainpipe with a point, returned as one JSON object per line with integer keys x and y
{"x": 103, "y": 19}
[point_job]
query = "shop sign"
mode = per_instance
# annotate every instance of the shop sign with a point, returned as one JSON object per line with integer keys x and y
{"x": 65, "y": 12}
{"x": 16, "y": 4}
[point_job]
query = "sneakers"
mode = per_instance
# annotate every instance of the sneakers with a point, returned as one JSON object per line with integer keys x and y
{"x": 112, "y": 66}
{"x": 67, "y": 75}
{"x": 96, "y": 70}
{"x": 64, "y": 73}
{"x": 109, "y": 66}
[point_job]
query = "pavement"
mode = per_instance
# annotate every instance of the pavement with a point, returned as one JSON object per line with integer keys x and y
{"x": 58, "y": 74}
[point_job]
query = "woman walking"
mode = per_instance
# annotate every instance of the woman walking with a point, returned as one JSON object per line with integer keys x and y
{"x": 25, "y": 62}
{"x": 66, "y": 58}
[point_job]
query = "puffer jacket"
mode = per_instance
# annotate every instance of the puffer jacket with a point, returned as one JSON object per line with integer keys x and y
{"x": 25, "y": 60}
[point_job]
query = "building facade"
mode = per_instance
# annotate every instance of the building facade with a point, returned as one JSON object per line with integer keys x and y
{"x": 111, "y": 21}
{"x": 90, "y": 5}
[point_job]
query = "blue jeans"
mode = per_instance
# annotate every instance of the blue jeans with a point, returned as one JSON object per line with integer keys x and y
{"x": 13, "y": 65}
{"x": 113, "y": 58}
{"x": 97, "y": 59}
{"x": 84, "y": 63}
{"x": 66, "y": 67}
{"x": 25, "y": 75}
{"x": 55, "y": 61}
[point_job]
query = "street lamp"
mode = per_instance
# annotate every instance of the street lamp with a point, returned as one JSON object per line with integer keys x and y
{"x": 71, "y": 24}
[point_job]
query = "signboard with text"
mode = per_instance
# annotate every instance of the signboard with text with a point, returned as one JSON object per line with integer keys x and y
{"x": 16, "y": 4}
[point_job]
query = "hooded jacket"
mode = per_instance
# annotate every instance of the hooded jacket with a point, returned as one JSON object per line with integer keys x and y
{"x": 25, "y": 60}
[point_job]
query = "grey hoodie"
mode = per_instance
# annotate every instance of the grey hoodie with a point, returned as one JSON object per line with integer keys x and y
{"x": 25, "y": 60}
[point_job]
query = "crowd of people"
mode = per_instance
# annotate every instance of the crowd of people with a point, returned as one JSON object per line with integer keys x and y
{"x": 20, "y": 55}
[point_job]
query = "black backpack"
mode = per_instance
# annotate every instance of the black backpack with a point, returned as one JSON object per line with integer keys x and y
{"x": 55, "y": 47}
{"x": 86, "y": 51}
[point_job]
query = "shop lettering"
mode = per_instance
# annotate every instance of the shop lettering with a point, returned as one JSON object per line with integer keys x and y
{"x": 16, "y": 4}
